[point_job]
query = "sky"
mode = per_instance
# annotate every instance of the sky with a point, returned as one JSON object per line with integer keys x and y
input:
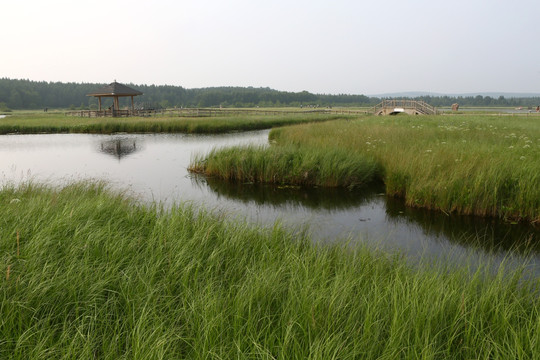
{"x": 325, "y": 47}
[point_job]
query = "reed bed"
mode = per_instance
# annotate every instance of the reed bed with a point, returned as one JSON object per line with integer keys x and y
{"x": 32, "y": 123}
{"x": 288, "y": 165}
{"x": 91, "y": 274}
{"x": 485, "y": 165}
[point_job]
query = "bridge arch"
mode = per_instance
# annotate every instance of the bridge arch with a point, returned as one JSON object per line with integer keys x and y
{"x": 411, "y": 107}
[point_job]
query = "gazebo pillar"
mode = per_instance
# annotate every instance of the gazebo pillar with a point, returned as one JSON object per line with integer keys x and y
{"x": 99, "y": 101}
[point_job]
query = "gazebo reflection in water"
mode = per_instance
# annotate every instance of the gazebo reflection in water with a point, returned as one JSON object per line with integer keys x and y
{"x": 119, "y": 147}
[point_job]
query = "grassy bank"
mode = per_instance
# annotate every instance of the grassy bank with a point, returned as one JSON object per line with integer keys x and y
{"x": 86, "y": 274}
{"x": 288, "y": 165}
{"x": 487, "y": 165}
{"x": 33, "y": 123}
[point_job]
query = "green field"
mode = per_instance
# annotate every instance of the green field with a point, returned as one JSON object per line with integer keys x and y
{"x": 87, "y": 273}
{"x": 482, "y": 165}
{"x": 57, "y": 122}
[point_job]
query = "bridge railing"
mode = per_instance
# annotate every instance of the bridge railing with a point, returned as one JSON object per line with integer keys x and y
{"x": 426, "y": 108}
{"x": 419, "y": 106}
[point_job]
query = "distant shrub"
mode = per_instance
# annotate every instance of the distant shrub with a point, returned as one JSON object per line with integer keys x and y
{"x": 4, "y": 108}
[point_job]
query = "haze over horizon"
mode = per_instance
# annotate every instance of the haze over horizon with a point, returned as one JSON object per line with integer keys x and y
{"x": 349, "y": 47}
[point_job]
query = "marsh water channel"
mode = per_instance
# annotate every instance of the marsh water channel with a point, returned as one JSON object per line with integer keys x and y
{"x": 153, "y": 167}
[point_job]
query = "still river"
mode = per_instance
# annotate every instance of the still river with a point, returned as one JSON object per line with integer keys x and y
{"x": 153, "y": 167}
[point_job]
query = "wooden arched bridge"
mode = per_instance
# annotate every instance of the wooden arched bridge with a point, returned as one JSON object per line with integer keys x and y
{"x": 412, "y": 107}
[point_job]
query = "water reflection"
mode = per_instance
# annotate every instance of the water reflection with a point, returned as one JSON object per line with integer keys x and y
{"x": 491, "y": 235}
{"x": 488, "y": 235}
{"x": 291, "y": 196}
{"x": 120, "y": 147}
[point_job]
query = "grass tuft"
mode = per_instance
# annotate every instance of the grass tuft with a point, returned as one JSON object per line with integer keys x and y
{"x": 288, "y": 165}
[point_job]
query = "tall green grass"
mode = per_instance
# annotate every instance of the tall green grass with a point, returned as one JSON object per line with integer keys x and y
{"x": 33, "y": 123}
{"x": 485, "y": 165}
{"x": 288, "y": 165}
{"x": 90, "y": 274}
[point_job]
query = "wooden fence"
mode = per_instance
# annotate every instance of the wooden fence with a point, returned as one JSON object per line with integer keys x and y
{"x": 208, "y": 112}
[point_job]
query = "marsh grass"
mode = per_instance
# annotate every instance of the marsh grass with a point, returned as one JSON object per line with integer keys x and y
{"x": 288, "y": 165}
{"x": 94, "y": 275}
{"x": 486, "y": 165}
{"x": 32, "y": 123}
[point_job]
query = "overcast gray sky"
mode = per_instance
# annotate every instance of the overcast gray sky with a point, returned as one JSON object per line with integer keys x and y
{"x": 334, "y": 46}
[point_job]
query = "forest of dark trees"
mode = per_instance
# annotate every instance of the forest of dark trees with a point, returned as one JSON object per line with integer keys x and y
{"x": 26, "y": 94}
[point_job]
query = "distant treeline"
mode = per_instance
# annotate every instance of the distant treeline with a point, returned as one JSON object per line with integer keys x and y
{"x": 27, "y": 94}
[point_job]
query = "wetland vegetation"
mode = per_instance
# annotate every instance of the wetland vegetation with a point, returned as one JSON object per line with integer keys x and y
{"x": 57, "y": 122}
{"x": 289, "y": 165}
{"x": 88, "y": 273}
{"x": 480, "y": 165}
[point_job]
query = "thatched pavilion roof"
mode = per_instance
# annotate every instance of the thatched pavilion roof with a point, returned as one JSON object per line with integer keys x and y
{"x": 115, "y": 89}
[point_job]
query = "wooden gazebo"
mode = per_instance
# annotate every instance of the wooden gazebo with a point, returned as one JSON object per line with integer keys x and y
{"x": 115, "y": 90}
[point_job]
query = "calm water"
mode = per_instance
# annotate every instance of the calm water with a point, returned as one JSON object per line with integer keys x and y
{"x": 152, "y": 167}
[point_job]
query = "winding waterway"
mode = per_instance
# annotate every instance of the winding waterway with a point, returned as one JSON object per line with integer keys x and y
{"x": 153, "y": 167}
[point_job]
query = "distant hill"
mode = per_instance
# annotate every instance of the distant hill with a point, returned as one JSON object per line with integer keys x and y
{"x": 505, "y": 94}
{"x": 413, "y": 94}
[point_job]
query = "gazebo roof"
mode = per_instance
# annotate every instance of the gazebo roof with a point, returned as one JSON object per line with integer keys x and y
{"x": 115, "y": 89}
